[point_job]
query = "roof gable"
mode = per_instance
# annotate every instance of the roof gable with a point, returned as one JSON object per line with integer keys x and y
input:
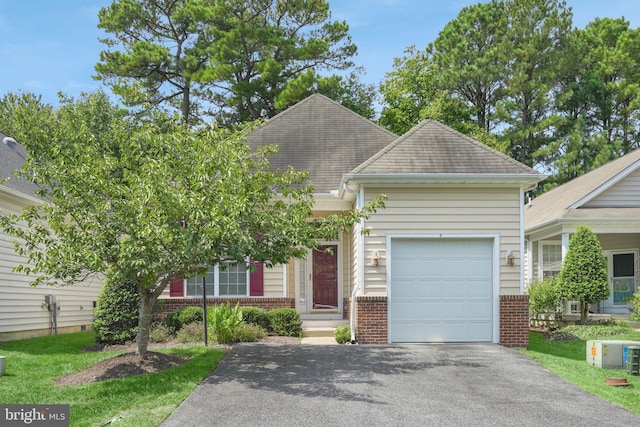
{"x": 11, "y": 159}
{"x": 433, "y": 148}
{"x": 322, "y": 137}
{"x": 582, "y": 192}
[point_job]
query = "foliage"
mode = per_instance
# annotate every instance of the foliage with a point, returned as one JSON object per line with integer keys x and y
{"x": 342, "y": 334}
{"x": 256, "y": 316}
{"x": 159, "y": 333}
{"x": 584, "y": 271}
{"x": 544, "y": 298}
{"x": 596, "y": 331}
{"x": 191, "y": 332}
{"x": 115, "y": 318}
{"x": 635, "y": 304}
{"x": 234, "y": 56}
{"x": 246, "y": 332}
{"x": 181, "y": 317}
{"x": 285, "y": 322}
{"x": 152, "y": 199}
{"x": 131, "y": 401}
{"x": 222, "y": 321}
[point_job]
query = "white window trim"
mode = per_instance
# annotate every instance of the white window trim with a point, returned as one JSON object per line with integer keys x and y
{"x": 541, "y": 244}
{"x": 216, "y": 285}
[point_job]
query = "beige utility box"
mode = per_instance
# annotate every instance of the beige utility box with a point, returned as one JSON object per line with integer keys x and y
{"x": 608, "y": 354}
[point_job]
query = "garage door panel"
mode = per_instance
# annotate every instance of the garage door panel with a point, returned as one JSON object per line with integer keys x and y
{"x": 441, "y": 290}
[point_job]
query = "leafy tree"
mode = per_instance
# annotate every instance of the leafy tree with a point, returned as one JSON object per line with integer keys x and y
{"x": 469, "y": 54}
{"x": 151, "y": 199}
{"x": 536, "y": 37}
{"x": 584, "y": 271}
{"x": 234, "y": 55}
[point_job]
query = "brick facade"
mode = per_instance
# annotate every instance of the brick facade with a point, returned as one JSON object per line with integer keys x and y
{"x": 514, "y": 320}
{"x": 372, "y": 325}
{"x": 371, "y": 319}
{"x": 166, "y": 306}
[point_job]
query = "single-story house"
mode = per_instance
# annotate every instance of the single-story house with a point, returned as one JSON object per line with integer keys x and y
{"x": 607, "y": 200}
{"x": 440, "y": 263}
{"x": 26, "y": 311}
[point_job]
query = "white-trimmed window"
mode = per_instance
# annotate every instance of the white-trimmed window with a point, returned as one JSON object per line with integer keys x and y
{"x": 232, "y": 281}
{"x": 550, "y": 256}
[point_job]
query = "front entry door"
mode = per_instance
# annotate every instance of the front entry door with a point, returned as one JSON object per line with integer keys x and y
{"x": 325, "y": 278}
{"x": 622, "y": 266}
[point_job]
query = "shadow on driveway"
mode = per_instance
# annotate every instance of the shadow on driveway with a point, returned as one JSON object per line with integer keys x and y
{"x": 403, "y": 385}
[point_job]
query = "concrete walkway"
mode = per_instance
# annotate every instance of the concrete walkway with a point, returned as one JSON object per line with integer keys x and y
{"x": 262, "y": 384}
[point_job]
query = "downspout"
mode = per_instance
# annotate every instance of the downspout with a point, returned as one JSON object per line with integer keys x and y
{"x": 356, "y": 287}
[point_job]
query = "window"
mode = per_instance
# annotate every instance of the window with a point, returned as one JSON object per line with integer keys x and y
{"x": 231, "y": 281}
{"x": 551, "y": 257}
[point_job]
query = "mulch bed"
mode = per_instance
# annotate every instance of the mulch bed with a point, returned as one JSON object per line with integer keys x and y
{"x": 130, "y": 363}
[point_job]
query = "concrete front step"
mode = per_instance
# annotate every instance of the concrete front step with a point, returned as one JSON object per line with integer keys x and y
{"x": 321, "y": 328}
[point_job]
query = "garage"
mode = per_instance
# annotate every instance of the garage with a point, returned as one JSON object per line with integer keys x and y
{"x": 441, "y": 290}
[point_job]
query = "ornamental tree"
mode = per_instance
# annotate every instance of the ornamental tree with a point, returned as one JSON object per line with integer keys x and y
{"x": 584, "y": 271}
{"x": 151, "y": 199}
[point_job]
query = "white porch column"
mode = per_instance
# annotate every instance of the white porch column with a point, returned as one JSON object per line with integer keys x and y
{"x": 565, "y": 245}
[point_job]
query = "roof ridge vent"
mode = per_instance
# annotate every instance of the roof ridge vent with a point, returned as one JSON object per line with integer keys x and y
{"x": 10, "y": 142}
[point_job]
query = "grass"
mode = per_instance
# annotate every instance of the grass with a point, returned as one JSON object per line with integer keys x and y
{"x": 568, "y": 360}
{"x": 144, "y": 400}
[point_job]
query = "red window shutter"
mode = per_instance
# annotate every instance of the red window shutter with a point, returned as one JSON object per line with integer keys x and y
{"x": 176, "y": 287}
{"x": 256, "y": 280}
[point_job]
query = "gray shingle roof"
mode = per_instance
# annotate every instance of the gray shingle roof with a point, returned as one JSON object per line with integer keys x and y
{"x": 555, "y": 204}
{"x": 322, "y": 137}
{"x": 12, "y": 159}
{"x": 433, "y": 148}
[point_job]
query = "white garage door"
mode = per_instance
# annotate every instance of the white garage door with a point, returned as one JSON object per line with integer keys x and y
{"x": 441, "y": 290}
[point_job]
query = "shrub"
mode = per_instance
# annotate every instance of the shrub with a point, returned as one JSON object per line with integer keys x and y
{"x": 256, "y": 316}
{"x": 343, "y": 334}
{"x": 247, "y": 332}
{"x": 116, "y": 314}
{"x": 635, "y": 307}
{"x": 191, "y": 332}
{"x": 183, "y": 316}
{"x": 159, "y": 333}
{"x": 222, "y": 321}
{"x": 285, "y": 322}
{"x": 544, "y": 299}
{"x": 596, "y": 331}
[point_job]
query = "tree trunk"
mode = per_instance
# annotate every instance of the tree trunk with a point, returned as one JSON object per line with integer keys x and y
{"x": 147, "y": 301}
{"x": 584, "y": 312}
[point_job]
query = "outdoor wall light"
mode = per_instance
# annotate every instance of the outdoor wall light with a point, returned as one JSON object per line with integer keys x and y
{"x": 375, "y": 257}
{"x": 510, "y": 258}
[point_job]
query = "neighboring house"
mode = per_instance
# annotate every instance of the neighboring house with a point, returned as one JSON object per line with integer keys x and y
{"x": 23, "y": 309}
{"x": 442, "y": 261}
{"x": 607, "y": 200}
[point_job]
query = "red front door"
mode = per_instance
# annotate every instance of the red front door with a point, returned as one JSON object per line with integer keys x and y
{"x": 325, "y": 277}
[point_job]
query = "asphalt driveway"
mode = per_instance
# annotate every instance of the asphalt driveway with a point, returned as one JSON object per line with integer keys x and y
{"x": 399, "y": 385}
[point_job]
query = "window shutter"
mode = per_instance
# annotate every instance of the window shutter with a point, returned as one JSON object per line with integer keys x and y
{"x": 256, "y": 280}
{"x": 176, "y": 287}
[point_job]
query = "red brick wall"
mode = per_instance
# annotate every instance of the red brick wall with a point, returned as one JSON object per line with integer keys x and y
{"x": 514, "y": 320}
{"x": 371, "y": 319}
{"x": 166, "y": 306}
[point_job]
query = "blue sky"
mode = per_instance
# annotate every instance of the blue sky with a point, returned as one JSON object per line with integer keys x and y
{"x": 49, "y": 46}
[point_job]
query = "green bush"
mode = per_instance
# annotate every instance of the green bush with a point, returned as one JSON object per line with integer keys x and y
{"x": 191, "y": 332}
{"x": 247, "y": 332}
{"x": 222, "y": 321}
{"x": 544, "y": 299}
{"x": 596, "y": 331}
{"x": 635, "y": 310}
{"x": 159, "y": 333}
{"x": 285, "y": 322}
{"x": 343, "y": 334}
{"x": 256, "y": 316}
{"x": 183, "y": 316}
{"x": 116, "y": 315}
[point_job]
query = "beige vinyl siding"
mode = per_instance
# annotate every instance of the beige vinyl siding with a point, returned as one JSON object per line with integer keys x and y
{"x": 623, "y": 194}
{"x": 274, "y": 281}
{"x": 441, "y": 210}
{"x": 21, "y": 305}
{"x": 619, "y": 241}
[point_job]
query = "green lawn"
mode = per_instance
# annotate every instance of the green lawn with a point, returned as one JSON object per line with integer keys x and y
{"x": 145, "y": 400}
{"x": 568, "y": 360}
